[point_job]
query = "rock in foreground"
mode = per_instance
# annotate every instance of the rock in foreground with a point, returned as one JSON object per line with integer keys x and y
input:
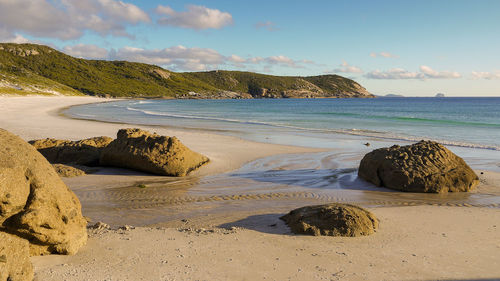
{"x": 34, "y": 202}
{"x": 140, "y": 150}
{"x": 331, "y": 220}
{"x": 83, "y": 152}
{"x": 426, "y": 166}
{"x": 15, "y": 264}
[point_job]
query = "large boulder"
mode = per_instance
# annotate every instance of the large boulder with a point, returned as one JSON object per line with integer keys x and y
{"x": 333, "y": 219}
{"x": 69, "y": 171}
{"x": 34, "y": 202}
{"x": 15, "y": 264}
{"x": 426, "y": 166}
{"x": 140, "y": 150}
{"x": 83, "y": 152}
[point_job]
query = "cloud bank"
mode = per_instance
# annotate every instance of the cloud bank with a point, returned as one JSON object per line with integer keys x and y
{"x": 69, "y": 19}
{"x": 486, "y": 75}
{"x": 346, "y": 68}
{"x": 181, "y": 58}
{"x": 424, "y": 73}
{"x": 196, "y": 17}
{"x": 86, "y": 51}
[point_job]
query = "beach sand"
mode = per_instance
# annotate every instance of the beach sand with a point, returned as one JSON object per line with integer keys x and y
{"x": 203, "y": 227}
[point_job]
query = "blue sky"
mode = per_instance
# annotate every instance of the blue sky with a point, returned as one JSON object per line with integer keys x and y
{"x": 413, "y": 48}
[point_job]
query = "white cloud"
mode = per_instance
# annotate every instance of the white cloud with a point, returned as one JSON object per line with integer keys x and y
{"x": 384, "y": 55}
{"x": 69, "y": 19}
{"x": 176, "y": 58}
{"x": 346, "y": 68}
{"x": 425, "y": 73}
{"x": 395, "y": 73}
{"x": 86, "y": 51}
{"x": 486, "y": 75}
{"x": 118, "y": 10}
{"x": 7, "y": 36}
{"x": 431, "y": 73}
{"x": 182, "y": 58}
{"x": 196, "y": 17}
{"x": 281, "y": 60}
{"x": 236, "y": 59}
{"x": 269, "y": 25}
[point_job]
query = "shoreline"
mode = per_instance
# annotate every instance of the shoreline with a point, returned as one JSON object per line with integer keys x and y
{"x": 244, "y": 239}
{"x": 355, "y": 133}
{"x": 45, "y": 110}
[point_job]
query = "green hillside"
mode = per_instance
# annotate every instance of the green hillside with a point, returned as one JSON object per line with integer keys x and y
{"x": 26, "y": 68}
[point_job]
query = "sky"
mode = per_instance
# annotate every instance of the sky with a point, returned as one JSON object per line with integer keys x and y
{"x": 410, "y": 48}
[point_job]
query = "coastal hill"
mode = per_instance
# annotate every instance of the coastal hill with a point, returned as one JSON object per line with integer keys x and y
{"x": 38, "y": 69}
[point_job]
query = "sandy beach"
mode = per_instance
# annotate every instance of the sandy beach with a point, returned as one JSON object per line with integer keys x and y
{"x": 221, "y": 223}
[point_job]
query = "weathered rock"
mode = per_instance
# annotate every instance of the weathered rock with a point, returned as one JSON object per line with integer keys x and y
{"x": 426, "y": 166}
{"x": 15, "y": 264}
{"x": 34, "y": 202}
{"x": 331, "y": 220}
{"x": 69, "y": 171}
{"x": 140, "y": 150}
{"x": 83, "y": 152}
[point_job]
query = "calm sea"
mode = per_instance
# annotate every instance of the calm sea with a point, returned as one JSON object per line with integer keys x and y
{"x": 462, "y": 122}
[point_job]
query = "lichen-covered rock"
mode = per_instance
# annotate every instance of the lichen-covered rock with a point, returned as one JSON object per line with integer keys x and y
{"x": 34, "y": 202}
{"x": 69, "y": 171}
{"x": 15, "y": 264}
{"x": 426, "y": 166}
{"x": 333, "y": 219}
{"x": 83, "y": 152}
{"x": 140, "y": 150}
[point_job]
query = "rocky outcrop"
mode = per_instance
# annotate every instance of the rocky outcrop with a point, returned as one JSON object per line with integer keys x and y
{"x": 83, "y": 152}
{"x": 34, "y": 202}
{"x": 140, "y": 150}
{"x": 67, "y": 171}
{"x": 15, "y": 264}
{"x": 426, "y": 166}
{"x": 331, "y": 220}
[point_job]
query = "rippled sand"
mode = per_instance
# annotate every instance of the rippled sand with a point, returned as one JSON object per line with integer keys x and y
{"x": 272, "y": 184}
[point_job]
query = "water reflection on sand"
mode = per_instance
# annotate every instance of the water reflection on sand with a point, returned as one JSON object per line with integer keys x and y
{"x": 276, "y": 184}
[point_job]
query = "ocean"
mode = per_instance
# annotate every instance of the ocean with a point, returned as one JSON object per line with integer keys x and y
{"x": 466, "y": 122}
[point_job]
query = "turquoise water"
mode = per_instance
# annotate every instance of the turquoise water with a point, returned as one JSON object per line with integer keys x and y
{"x": 460, "y": 122}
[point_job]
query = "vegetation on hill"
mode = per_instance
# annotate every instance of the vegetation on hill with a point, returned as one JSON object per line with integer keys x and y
{"x": 41, "y": 69}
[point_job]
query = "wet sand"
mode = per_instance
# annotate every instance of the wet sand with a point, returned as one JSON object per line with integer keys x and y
{"x": 248, "y": 185}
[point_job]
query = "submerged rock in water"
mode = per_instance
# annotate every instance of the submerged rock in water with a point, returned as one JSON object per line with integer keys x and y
{"x": 34, "y": 202}
{"x": 15, "y": 264}
{"x": 331, "y": 220}
{"x": 83, "y": 152}
{"x": 140, "y": 150}
{"x": 426, "y": 166}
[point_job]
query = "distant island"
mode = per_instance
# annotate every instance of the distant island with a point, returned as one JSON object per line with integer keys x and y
{"x": 394, "y": 96}
{"x": 439, "y": 95}
{"x": 38, "y": 69}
